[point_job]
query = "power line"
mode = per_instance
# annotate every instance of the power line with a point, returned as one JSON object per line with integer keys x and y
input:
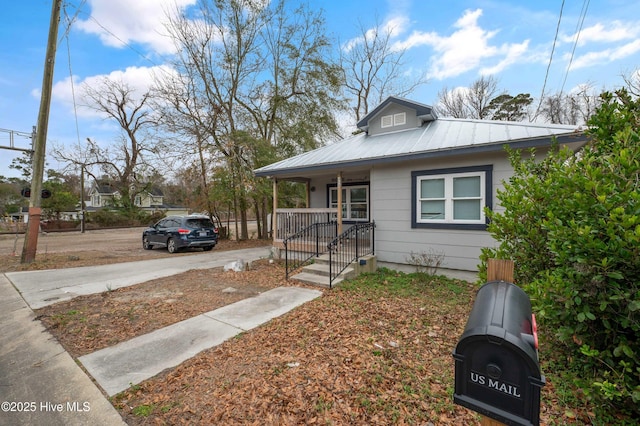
{"x": 143, "y": 56}
{"x": 553, "y": 48}
{"x": 105, "y": 29}
{"x": 70, "y": 21}
{"x": 73, "y": 91}
{"x": 583, "y": 14}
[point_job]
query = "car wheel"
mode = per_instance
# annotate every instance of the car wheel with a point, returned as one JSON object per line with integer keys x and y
{"x": 171, "y": 245}
{"x": 207, "y": 248}
{"x": 145, "y": 244}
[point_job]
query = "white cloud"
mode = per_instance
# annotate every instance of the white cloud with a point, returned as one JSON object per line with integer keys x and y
{"x": 604, "y": 56}
{"x": 512, "y": 52}
{"x": 396, "y": 25}
{"x": 599, "y": 33}
{"x": 117, "y": 22}
{"x": 465, "y": 49}
{"x": 70, "y": 92}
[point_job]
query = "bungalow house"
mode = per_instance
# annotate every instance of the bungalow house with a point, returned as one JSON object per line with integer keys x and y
{"x": 104, "y": 194}
{"x": 423, "y": 180}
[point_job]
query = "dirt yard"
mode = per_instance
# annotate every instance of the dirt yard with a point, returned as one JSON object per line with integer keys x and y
{"x": 56, "y": 242}
{"x": 359, "y": 356}
{"x": 95, "y": 247}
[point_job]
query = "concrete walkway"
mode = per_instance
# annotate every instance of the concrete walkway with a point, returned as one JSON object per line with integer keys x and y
{"x": 131, "y": 362}
{"x": 40, "y": 384}
{"x": 43, "y": 288}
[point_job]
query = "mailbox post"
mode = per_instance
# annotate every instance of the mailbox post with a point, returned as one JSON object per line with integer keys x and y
{"x": 497, "y": 372}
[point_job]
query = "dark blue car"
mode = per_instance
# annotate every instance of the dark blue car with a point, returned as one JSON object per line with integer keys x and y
{"x": 179, "y": 232}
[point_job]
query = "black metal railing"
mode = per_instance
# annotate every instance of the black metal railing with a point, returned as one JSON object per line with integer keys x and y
{"x": 355, "y": 242}
{"x": 309, "y": 242}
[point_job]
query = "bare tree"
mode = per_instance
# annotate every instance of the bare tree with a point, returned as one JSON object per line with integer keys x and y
{"x": 125, "y": 161}
{"x": 374, "y": 69}
{"x": 632, "y": 80}
{"x": 186, "y": 115}
{"x": 481, "y": 92}
{"x": 472, "y": 102}
{"x": 250, "y": 73}
{"x": 553, "y": 109}
{"x": 452, "y": 103}
{"x": 572, "y": 108}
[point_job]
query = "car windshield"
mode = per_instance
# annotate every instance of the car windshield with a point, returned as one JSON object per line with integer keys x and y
{"x": 197, "y": 223}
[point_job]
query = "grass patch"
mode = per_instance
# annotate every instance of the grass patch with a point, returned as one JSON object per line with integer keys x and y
{"x": 63, "y": 319}
{"x": 143, "y": 410}
{"x": 389, "y": 283}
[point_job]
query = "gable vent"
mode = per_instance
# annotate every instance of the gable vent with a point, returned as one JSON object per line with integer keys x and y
{"x": 387, "y": 121}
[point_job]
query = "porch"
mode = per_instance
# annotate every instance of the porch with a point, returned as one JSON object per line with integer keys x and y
{"x": 291, "y": 221}
{"x": 313, "y": 240}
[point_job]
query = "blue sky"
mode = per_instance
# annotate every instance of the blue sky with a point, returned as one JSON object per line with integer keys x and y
{"x": 453, "y": 43}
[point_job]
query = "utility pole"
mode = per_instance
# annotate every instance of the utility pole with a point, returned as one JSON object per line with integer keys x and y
{"x": 82, "y": 198}
{"x": 39, "y": 148}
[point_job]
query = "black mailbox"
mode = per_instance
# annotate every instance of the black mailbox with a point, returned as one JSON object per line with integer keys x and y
{"x": 496, "y": 359}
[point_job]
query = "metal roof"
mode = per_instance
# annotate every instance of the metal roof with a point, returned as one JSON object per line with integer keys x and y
{"x": 441, "y": 137}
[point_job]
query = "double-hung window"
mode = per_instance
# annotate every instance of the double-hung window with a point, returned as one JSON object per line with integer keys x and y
{"x": 355, "y": 201}
{"x": 453, "y": 198}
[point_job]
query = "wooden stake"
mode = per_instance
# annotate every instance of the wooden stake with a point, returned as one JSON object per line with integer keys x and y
{"x": 486, "y": 421}
{"x": 500, "y": 269}
{"x": 497, "y": 269}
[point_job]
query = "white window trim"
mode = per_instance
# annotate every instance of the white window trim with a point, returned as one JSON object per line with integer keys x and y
{"x": 348, "y": 203}
{"x": 448, "y": 198}
{"x": 400, "y": 119}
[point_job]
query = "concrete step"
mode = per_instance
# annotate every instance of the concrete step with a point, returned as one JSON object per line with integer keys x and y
{"x": 314, "y": 279}
{"x": 322, "y": 259}
{"x": 323, "y": 270}
{"x": 317, "y": 273}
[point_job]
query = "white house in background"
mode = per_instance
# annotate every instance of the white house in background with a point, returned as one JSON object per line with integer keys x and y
{"x": 424, "y": 180}
{"x": 104, "y": 194}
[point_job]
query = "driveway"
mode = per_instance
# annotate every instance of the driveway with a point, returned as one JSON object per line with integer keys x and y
{"x": 42, "y": 288}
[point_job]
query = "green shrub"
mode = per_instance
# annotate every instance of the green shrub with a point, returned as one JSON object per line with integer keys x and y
{"x": 117, "y": 217}
{"x": 572, "y": 225}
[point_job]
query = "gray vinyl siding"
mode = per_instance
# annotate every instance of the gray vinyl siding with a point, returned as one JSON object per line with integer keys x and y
{"x": 318, "y": 197}
{"x": 390, "y": 197}
{"x": 411, "y": 123}
{"x": 391, "y": 209}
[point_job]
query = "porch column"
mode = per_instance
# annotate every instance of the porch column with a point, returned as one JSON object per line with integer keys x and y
{"x": 308, "y": 200}
{"x": 339, "y": 203}
{"x": 274, "y": 217}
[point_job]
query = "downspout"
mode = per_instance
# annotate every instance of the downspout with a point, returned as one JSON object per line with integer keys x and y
{"x": 274, "y": 217}
{"x": 339, "y": 203}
